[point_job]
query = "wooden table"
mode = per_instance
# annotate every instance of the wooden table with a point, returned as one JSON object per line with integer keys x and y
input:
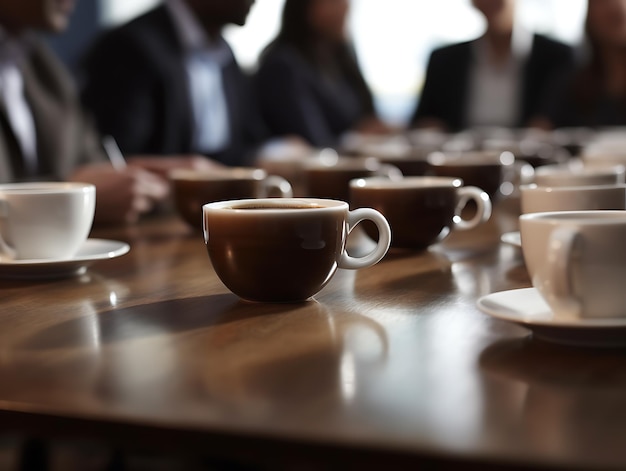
{"x": 390, "y": 366}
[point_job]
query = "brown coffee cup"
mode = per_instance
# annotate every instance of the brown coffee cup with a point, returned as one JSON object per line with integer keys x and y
{"x": 410, "y": 159}
{"x": 420, "y": 210}
{"x": 194, "y": 188}
{"x": 497, "y": 173}
{"x": 331, "y": 178}
{"x": 284, "y": 249}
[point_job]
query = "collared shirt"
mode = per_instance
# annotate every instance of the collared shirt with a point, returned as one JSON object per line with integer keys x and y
{"x": 204, "y": 61}
{"x": 495, "y": 89}
{"x": 13, "y": 100}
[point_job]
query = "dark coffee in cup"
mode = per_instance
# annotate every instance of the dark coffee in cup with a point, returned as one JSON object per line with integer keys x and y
{"x": 283, "y": 249}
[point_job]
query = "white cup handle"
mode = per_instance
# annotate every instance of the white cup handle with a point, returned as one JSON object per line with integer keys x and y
{"x": 274, "y": 182}
{"x": 384, "y": 239}
{"x": 5, "y": 249}
{"x": 562, "y": 243}
{"x": 483, "y": 207}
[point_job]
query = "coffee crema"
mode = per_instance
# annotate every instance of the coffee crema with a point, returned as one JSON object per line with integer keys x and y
{"x": 270, "y": 207}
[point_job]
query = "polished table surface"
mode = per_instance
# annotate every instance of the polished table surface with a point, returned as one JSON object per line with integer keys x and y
{"x": 391, "y": 364}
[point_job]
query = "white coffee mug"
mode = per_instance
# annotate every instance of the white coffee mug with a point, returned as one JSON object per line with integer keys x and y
{"x": 537, "y": 199}
{"x": 45, "y": 220}
{"x": 578, "y": 175}
{"x": 577, "y": 261}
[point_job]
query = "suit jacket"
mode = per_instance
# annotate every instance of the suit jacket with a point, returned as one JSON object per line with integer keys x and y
{"x": 135, "y": 83}
{"x": 65, "y": 138}
{"x": 445, "y": 93}
{"x": 299, "y": 99}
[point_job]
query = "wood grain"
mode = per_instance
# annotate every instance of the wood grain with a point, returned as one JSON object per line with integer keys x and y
{"x": 392, "y": 364}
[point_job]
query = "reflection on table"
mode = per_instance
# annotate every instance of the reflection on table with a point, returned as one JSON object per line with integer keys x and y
{"x": 388, "y": 366}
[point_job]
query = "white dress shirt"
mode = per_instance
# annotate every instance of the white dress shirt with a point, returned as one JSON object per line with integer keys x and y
{"x": 13, "y": 100}
{"x": 204, "y": 61}
{"x": 495, "y": 88}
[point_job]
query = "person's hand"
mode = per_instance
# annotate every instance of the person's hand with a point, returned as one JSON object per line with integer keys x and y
{"x": 164, "y": 165}
{"x": 122, "y": 196}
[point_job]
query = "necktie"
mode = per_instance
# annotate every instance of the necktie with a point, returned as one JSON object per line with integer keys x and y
{"x": 19, "y": 114}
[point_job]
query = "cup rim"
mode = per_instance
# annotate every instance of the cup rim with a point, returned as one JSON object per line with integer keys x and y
{"x": 46, "y": 187}
{"x": 343, "y": 163}
{"x": 537, "y": 188}
{"x": 472, "y": 158}
{"x": 561, "y": 170}
{"x": 229, "y": 173}
{"x": 282, "y": 205}
{"x": 410, "y": 182}
{"x": 588, "y": 217}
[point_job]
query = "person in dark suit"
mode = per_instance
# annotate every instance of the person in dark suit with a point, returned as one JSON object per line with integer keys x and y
{"x": 595, "y": 95}
{"x": 499, "y": 80}
{"x": 309, "y": 83}
{"x": 44, "y": 132}
{"x": 168, "y": 83}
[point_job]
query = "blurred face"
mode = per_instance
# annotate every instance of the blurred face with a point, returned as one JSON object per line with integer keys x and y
{"x": 606, "y": 21}
{"x": 221, "y": 12}
{"x": 498, "y": 13}
{"x": 328, "y": 18}
{"x": 45, "y": 15}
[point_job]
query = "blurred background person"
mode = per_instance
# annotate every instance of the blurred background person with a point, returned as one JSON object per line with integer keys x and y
{"x": 596, "y": 94}
{"x": 168, "y": 83}
{"x": 309, "y": 83}
{"x": 498, "y": 80}
{"x": 44, "y": 134}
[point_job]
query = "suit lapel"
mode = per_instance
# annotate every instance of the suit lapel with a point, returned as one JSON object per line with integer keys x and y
{"x": 6, "y": 155}
{"x": 48, "y": 92}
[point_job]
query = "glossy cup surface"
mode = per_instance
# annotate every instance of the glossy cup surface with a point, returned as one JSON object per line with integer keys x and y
{"x": 280, "y": 249}
{"x": 577, "y": 261}
{"x": 45, "y": 220}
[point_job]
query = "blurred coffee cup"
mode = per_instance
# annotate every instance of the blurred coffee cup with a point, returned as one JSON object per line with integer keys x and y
{"x": 285, "y": 249}
{"x": 577, "y": 174}
{"x": 536, "y": 199}
{"x": 45, "y": 220}
{"x": 330, "y": 177}
{"x": 194, "y": 188}
{"x": 497, "y": 173}
{"x": 420, "y": 210}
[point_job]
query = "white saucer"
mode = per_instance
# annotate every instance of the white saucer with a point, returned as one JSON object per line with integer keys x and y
{"x": 526, "y": 307}
{"x": 512, "y": 238}
{"x": 91, "y": 251}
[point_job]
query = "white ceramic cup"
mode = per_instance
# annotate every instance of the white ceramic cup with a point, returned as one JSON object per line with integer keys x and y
{"x": 577, "y": 261}
{"x": 285, "y": 249}
{"x": 45, "y": 220}
{"x": 578, "y": 175}
{"x": 537, "y": 199}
